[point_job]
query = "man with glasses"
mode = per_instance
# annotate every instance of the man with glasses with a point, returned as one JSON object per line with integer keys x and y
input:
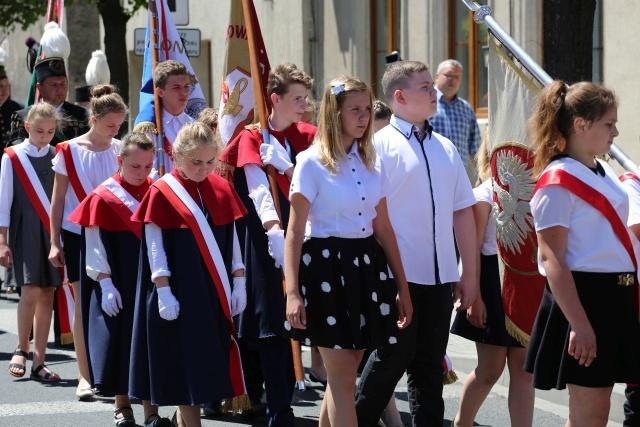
{"x": 455, "y": 119}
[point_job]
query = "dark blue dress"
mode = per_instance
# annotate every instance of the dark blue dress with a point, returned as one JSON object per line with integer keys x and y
{"x": 185, "y": 361}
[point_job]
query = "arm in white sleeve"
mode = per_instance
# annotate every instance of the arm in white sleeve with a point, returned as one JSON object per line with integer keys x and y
{"x": 155, "y": 251}
{"x": 259, "y": 193}
{"x": 236, "y": 259}
{"x": 6, "y": 191}
{"x": 96, "y": 255}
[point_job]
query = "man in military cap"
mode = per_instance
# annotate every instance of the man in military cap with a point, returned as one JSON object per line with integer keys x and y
{"x": 7, "y": 106}
{"x": 52, "y": 84}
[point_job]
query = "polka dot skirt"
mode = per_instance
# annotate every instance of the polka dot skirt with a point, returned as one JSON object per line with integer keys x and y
{"x": 348, "y": 296}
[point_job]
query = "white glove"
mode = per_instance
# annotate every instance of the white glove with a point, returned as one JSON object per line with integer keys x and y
{"x": 276, "y": 246}
{"x": 167, "y": 304}
{"x": 275, "y": 154}
{"x": 111, "y": 299}
{"x": 238, "y": 296}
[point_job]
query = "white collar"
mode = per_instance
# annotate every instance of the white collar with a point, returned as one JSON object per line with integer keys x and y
{"x": 32, "y": 150}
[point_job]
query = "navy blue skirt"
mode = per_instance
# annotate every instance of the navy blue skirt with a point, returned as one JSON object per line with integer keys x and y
{"x": 108, "y": 339}
{"x": 349, "y": 297}
{"x": 184, "y": 361}
{"x": 496, "y": 332}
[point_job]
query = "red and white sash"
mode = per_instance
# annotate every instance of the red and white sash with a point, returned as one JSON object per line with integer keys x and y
{"x": 75, "y": 170}
{"x": 597, "y": 195}
{"x": 31, "y": 183}
{"x": 42, "y": 205}
{"x": 191, "y": 213}
{"x": 122, "y": 203}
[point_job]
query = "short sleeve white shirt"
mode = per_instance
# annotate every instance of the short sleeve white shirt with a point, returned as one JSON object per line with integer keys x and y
{"x": 343, "y": 204}
{"x": 484, "y": 194}
{"x": 592, "y": 245}
{"x": 418, "y": 189}
{"x": 632, "y": 187}
{"x": 98, "y": 166}
{"x": 171, "y": 126}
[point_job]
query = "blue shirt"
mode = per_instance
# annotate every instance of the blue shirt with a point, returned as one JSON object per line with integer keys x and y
{"x": 457, "y": 122}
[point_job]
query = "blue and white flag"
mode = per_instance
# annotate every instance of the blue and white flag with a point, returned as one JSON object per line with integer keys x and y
{"x": 170, "y": 46}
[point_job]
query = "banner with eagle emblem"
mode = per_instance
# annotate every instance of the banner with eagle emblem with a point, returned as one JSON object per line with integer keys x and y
{"x": 512, "y": 95}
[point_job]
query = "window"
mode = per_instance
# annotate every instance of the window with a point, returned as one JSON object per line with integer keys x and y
{"x": 468, "y": 44}
{"x": 384, "y": 38}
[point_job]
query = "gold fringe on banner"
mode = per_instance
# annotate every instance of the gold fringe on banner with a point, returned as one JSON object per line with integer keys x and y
{"x": 516, "y": 332}
{"x": 450, "y": 377}
{"x": 236, "y": 404}
{"x": 66, "y": 338}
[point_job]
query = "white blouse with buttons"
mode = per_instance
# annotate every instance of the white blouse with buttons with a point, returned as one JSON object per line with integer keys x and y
{"x": 343, "y": 204}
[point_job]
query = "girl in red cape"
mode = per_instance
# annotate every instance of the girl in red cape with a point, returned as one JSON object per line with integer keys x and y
{"x": 190, "y": 283}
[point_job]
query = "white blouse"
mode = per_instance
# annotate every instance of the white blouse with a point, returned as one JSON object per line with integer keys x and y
{"x": 6, "y": 179}
{"x": 98, "y": 165}
{"x": 484, "y": 193}
{"x": 632, "y": 187}
{"x": 342, "y": 204}
{"x": 592, "y": 245}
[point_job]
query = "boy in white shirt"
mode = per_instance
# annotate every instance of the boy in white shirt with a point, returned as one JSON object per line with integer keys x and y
{"x": 431, "y": 196}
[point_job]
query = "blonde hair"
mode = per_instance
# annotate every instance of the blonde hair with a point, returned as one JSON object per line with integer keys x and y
{"x": 209, "y": 116}
{"x": 483, "y": 157}
{"x": 329, "y": 136}
{"x": 192, "y": 137}
{"x": 398, "y": 75}
{"x": 135, "y": 140}
{"x": 42, "y": 110}
{"x": 557, "y": 107}
{"x": 105, "y": 100}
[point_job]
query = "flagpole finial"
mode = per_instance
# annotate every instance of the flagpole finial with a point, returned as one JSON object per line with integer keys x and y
{"x": 480, "y": 13}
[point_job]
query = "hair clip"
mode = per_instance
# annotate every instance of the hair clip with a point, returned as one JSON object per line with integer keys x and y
{"x": 337, "y": 88}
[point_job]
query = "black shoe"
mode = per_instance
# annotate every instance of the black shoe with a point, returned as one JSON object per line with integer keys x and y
{"x": 258, "y": 409}
{"x": 154, "y": 420}
{"x": 125, "y": 420}
{"x": 212, "y": 410}
{"x": 316, "y": 379}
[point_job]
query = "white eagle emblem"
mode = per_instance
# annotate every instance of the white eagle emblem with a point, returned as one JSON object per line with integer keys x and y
{"x": 512, "y": 211}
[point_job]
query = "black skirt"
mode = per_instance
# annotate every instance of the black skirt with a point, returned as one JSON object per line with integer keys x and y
{"x": 349, "y": 297}
{"x": 496, "y": 332}
{"x": 613, "y": 318}
{"x": 108, "y": 339}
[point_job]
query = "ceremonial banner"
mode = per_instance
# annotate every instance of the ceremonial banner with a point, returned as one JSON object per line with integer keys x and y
{"x": 170, "y": 46}
{"x": 237, "y": 103}
{"x": 511, "y": 99}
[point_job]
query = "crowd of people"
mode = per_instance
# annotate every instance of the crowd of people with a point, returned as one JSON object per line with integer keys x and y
{"x": 364, "y": 216}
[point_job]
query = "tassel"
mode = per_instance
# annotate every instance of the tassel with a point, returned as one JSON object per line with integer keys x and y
{"x": 66, "y": 338}
{"x": 146, "y": 127}
{"x": 517, "y": 333}
{"x": 450, "y": 377}
{"x": 237, "y": 404}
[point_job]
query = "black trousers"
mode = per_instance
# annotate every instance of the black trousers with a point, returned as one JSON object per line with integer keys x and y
{"x": 419, "y": 350}
{"x": 279, "y": 379}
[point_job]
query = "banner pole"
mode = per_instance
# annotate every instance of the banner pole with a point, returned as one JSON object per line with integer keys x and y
{"x": 258, "y": 91}
{"x": 154, "y": 45}
{"x": 482, "y": 14}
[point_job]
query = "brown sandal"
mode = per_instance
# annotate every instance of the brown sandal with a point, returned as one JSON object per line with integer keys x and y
{"x": 47, "y": 377}
{"x": 24, "y": 354}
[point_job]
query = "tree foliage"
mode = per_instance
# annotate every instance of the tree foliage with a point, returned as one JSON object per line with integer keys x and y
{"x": 24, "y": 13}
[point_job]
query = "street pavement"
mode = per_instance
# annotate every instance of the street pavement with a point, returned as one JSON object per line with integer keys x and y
{"x": 25, "y": 402}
